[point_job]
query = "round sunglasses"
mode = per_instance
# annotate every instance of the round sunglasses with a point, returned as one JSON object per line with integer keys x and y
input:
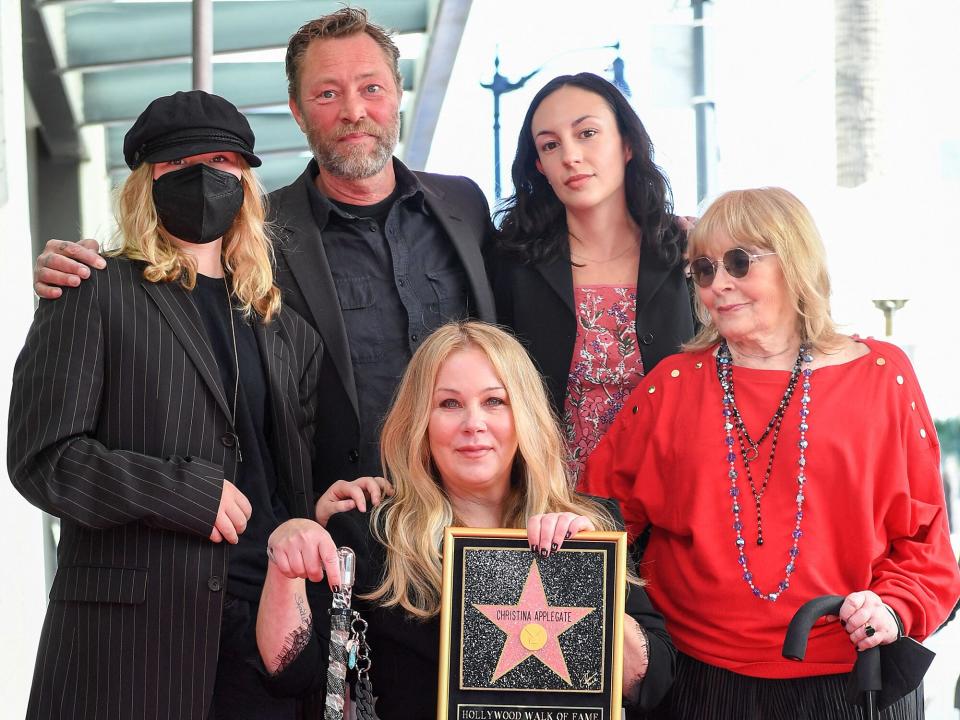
{"x": 736, "y": 261}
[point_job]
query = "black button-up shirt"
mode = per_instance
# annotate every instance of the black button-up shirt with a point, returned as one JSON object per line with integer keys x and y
{"x": 398, "y": 277}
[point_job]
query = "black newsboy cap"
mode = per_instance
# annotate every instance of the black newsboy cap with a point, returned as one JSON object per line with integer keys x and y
{"x": 188, "y": 123}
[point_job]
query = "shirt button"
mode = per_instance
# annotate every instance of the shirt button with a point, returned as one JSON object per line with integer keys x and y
{"x": 215, "y": 583}
{"x": 647, "y": 339}
{"x": 401, "y": 282}
{"x": 228, "y": 440}
{"x": 415, "y": 338}
{"x": 353, "y": 456}
{"x": 373, "y": 227}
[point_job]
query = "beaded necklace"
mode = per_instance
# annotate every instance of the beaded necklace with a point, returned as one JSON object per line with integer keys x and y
{"x": 753, "y": 451}
{"x": 749, "y": 448}
{"x": 731, "y": 421}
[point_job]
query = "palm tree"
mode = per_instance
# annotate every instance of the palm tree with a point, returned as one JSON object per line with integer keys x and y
{"x": 857, "y": 83}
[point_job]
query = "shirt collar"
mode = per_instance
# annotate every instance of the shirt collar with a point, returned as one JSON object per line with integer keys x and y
{"x": 411, "y": 192}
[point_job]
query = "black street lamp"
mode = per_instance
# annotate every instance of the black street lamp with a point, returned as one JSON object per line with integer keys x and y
{"x": 617, "y": 68}
{"x": 498, "y": 86}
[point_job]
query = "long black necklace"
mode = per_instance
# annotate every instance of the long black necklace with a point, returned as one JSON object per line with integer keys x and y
{"x": 236, "y": 369}
{"x": 725, "y": 374}
{"x": 749, "y": 448}
{"x": 753, "y": 446}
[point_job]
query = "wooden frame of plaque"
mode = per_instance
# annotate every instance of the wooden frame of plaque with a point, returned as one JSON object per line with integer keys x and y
{"x": 526, "y": 637}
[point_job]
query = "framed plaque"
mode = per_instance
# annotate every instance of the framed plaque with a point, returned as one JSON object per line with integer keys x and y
{"x": 523, "y": 637}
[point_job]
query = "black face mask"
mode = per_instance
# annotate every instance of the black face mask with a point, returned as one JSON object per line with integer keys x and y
{"x": 197, "y": 204}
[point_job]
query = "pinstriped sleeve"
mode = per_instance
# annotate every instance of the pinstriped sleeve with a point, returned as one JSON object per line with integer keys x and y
{"x": 53, "y": 457}
{"x": 310, "y": 399}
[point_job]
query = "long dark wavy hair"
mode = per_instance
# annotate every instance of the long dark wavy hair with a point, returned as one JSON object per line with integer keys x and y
{"x": 533, "y": 221}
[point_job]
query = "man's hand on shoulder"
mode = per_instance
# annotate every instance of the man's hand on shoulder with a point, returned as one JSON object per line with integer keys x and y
{"x": 65, "y": 264}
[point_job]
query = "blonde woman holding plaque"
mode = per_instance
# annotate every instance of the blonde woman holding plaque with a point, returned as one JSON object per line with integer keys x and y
{"x": 470, "y": 441}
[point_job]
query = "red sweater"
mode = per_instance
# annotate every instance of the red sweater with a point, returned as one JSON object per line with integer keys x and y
{"x": 874, "y": 515}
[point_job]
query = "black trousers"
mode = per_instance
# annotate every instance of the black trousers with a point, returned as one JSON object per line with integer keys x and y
{"x": 239, "y": 692}
{"x": 705, "y": 692}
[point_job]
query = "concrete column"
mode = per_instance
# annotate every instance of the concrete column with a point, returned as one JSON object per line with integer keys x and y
{"x": 23, "y": 601}
{"x": 203, "y": 45}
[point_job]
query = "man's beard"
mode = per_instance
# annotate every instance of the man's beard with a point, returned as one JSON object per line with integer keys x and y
{"x": 355, "y": 162}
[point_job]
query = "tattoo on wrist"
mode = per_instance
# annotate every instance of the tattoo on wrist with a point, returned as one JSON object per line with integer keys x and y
{"x": 306, "y": 619}
{"x": 631, "y": 688}
{"x": 644, "y": 650}
{"x": 298, "y": 638}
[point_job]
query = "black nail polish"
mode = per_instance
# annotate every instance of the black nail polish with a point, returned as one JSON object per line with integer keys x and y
{"x": 336, "y": 588}
{"x": 543, "y": 552}
{"x": 553, "y": 546}
{"x": 567, "y": 536}
{"x": 534, "y": 549}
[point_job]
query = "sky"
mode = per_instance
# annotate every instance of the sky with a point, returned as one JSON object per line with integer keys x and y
{"x": 770, "y": 67}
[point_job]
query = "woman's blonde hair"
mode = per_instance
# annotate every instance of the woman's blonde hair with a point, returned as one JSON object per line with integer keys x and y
{"x": 247, "y": 251}
{"x": 410, "y": 524}
{"x": 771, "y": 219}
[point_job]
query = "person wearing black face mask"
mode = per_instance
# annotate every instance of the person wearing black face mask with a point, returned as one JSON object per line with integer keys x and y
{"x": 197, "y": 204}
{"x": 164, "y": 411}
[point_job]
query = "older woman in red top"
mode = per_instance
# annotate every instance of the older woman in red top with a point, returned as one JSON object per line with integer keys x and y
{"x": 776, "y": 460}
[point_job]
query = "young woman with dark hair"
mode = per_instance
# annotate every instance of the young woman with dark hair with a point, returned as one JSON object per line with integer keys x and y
{"x": 589, "y": 270}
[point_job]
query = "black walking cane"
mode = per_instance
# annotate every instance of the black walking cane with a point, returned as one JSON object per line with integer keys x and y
{"x": 341, "y": 617}
{"x": 866, "y": 670}
{"x": 881, "y": 675}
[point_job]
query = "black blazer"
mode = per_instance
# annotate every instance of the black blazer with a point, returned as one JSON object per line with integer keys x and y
{"x": 536, "y": 301}
{"x": 119, "y": 425}
{"x": 303, "y": 273}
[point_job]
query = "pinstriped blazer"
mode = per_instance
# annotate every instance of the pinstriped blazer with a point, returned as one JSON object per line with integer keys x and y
{"x": 119, "y": 425}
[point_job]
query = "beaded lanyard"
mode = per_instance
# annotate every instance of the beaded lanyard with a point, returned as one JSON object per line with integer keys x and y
{"x": 731, "y": 421}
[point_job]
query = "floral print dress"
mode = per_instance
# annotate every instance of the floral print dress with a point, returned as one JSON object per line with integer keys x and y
{"x": 605, "y": 368}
